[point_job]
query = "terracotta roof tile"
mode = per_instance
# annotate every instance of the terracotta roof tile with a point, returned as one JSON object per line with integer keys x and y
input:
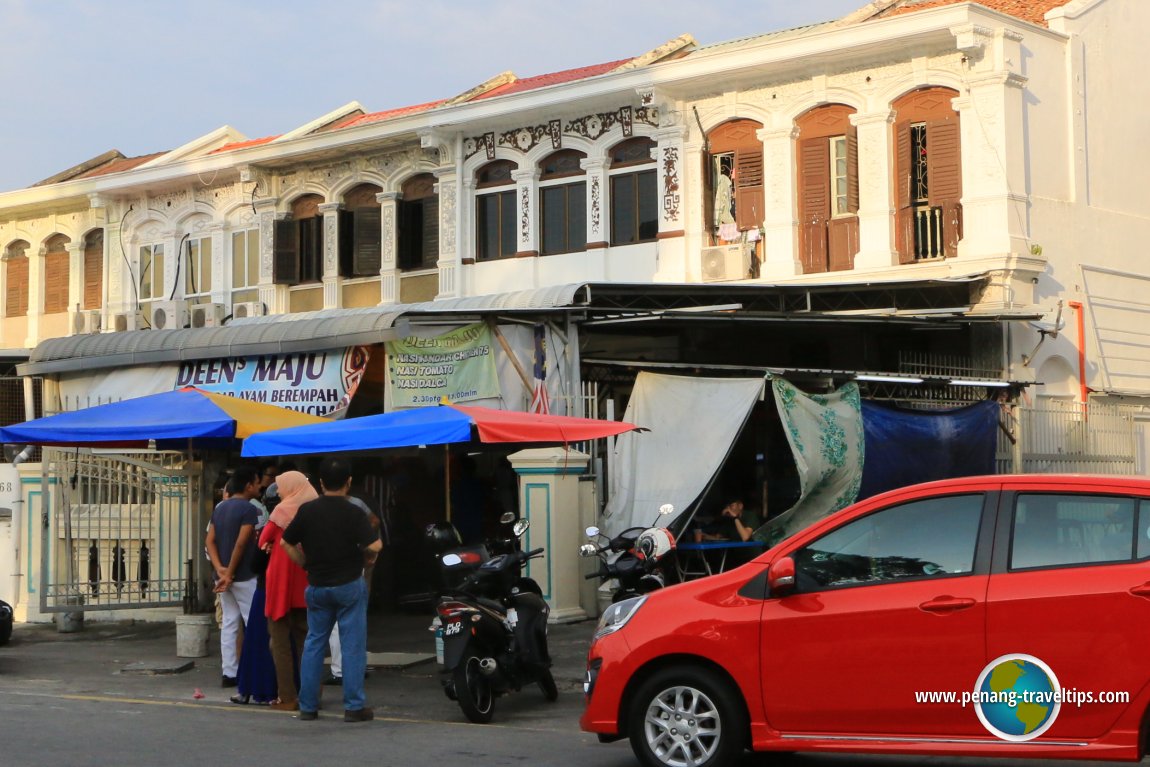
{"x": 119, "y": 166}
{"x": 243, "y": 144}
{"x": 554, "y": 78}
{"x": 1027, "y": 10}
{"x": 389, "y": 114}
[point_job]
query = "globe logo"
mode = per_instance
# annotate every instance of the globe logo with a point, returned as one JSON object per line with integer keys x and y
{"x": 1017, "y": 697}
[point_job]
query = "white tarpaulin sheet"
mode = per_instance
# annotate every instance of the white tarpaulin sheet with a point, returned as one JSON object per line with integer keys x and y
{"x": 693, "y": 421}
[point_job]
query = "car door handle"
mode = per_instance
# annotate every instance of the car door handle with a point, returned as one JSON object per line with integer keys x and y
{"x": 1141, "y": 591}
{"x": 946, "y": 604}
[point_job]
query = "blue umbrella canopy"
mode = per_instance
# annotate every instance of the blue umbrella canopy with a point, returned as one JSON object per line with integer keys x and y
{"x": 172, "y": 418}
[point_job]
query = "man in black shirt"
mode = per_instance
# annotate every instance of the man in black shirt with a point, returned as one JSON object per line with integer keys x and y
{"x": 333, "y": 540}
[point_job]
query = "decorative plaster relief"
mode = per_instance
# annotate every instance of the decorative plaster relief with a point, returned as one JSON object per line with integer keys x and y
{"x": 596, "y": 194}
{"x": 593, "y": 126}
{"x": 330, "y": 235}
{"x": 525, "y": 215}
{"x": 447, "y": 204}
{"x": 267, "y": 223}
{"x": 388, "y": 255}
{"x": 671, "y": 183}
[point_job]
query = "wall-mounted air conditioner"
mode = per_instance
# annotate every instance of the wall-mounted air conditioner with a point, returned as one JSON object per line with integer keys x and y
{"x": 208, "y": 315}
{"x": 726, "y": 262}
{"x": 248, "y": 309}
{"x": 168, "y": 315}
{"x": 128, "y": 321}
{"x": 87, "y": 321}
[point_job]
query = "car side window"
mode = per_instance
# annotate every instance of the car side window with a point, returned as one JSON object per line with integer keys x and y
{"x": 932, "y": 537}
{"x": 1052, "y": 530}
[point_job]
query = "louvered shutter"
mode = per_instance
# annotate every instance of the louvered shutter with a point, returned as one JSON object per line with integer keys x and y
{"x": 814, "y": 203}
{"x": 429, "y": 253}
{"x": 367, "y": 256}
{"x": 852, "y": 169}
{"x": 56, "y": 283}
{"x": 345, "y": 244}
{"x": 944, "y": 171}
{"x": 285, "y": 247}
{"x": 749, "y": 189}
{"x": 16, "y": 294}
{"x": 904, "y": 216}
{"x": 93, "y": 277}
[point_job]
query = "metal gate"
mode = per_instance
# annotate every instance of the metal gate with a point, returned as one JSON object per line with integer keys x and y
{"x": 1067, "y": 437}
{"x": 119, "y": 530}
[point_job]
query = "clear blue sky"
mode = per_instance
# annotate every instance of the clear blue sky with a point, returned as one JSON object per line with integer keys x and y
{"x": 79, "y": 78}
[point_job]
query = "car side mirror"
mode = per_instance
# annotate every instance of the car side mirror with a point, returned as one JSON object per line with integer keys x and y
{"x": 781, "y": 577}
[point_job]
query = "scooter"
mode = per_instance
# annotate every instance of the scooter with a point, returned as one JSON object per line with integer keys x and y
{"x": 494, "y": 630}
{"x": 632, "y": 557}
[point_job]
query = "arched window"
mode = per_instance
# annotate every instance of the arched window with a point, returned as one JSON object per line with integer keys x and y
{"x": 94, "y": 269}
{"x": 418, "y": 214}
{"x": 736, "y": 178}
{"x": 298, "y": 244}
{"x": 360, "y": 251}
{"x": 928, "y": 175}
{"x": 197, "y": 268}
{"x": 828, "y": 189}
{"x": 495, "y": 211}
{"x": 634, "y": 192}
{"x": 563, "y": 202}
{"x": 16, "y": 279}
{"x": 56, "y": 274}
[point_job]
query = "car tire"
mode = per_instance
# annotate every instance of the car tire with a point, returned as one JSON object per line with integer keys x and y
{"x": 687, "y": 715}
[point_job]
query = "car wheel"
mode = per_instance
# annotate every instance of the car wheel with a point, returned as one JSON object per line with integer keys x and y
{"x": 686, "y": 717}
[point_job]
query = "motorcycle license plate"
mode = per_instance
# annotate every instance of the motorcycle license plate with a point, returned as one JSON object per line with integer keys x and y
{"x": 453, "y": 628}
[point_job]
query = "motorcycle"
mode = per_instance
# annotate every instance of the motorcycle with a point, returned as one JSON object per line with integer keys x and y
{"x": 632, "y": 557}
{"x": 493, "y": 624}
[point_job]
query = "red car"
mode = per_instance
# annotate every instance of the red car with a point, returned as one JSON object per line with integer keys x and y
{"x": 986, "y": 616}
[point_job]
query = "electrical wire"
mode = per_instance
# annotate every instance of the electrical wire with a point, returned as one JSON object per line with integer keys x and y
{"x": 179, "y": 263}
{"x": 124, "y": 255}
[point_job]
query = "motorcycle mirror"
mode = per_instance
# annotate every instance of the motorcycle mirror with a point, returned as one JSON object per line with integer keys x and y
{"x": 666, "y": 509}
{"x": 507, "y": 517}
{"x": 451, "y": 560}
{"x": 520, "y": 527}
{"x": 592, "y": 532}
{"x": 588, "y": 550}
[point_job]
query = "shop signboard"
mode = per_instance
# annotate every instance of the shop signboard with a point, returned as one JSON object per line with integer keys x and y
{"x": 459, "y": 365}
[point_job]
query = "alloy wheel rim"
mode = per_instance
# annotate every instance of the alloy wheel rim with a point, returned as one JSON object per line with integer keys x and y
{"x": 682, "y": 727}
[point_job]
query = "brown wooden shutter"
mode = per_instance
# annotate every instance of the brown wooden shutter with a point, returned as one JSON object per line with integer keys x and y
{"x": 904, "y": 216}
{"x": 93, "y": 277}
{"x": 285, "y": 248}
{"x": 367, "y": 256}
{"x": 16, "y": 293}
{"x": 814, "y": 203}
{"x": 944, "y": 171}
{"x": 429, "y": 255}
{"x": 56, "y": 283}
{"x": 345, "y": 243}
{"x": 749, "y": 188}
{"x": 852, "y": 169}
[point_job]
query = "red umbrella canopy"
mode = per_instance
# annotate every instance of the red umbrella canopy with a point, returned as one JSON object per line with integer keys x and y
{"x": 512, "y": 426}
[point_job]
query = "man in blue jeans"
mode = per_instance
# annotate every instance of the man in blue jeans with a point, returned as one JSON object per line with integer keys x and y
{"x": 333, "y": 540}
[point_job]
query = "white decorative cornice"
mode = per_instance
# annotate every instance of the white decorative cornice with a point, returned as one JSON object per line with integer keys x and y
{"x": 329, "y": 207}
{"x": 971, "y": 38}
{"x": 885, "y": 116}
{"x": 788, "y": 133}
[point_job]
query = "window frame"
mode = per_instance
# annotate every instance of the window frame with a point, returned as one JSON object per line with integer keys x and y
{"x": 248, "y": 290}
{"x": 195, "y": 252}
{"x": 16, "y": 289}
{"x": 572, "y": 182}
{"x": 1139, "y": 521}
{"x": 500, "y": 190}
{"x": 151, "y": 252}
{"x": 637, "y": 170}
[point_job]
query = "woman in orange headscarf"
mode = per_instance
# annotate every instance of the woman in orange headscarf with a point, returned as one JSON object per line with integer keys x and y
{"x": 286, "y": 608}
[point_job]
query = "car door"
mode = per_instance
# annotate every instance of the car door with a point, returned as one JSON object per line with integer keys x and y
{"x": 887, "y": 605}
{"x": 1070, "y": 586}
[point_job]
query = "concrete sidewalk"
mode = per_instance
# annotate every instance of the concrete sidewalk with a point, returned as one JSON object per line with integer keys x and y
{"x": 138, "y": 660}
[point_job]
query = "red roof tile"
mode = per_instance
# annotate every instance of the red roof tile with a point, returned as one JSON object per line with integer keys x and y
{"x": 119, "y": 166}
{"x": 243, "y": 144}
{"x": 389, "y": 114}
{"x": 1027, "y": 10}
{"x": 554, "y": 78}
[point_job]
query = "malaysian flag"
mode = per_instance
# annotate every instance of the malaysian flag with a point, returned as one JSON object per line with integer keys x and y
{"x": 539, "y": 401}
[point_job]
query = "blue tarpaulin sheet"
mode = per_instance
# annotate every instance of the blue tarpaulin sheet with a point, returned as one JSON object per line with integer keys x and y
{"x": 905, "y": 447}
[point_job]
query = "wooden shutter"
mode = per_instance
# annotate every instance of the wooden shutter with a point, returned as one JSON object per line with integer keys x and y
{"x": 345, "y": 244}
{"x": 367, "y": 242}
{"x": 93, "y": 277}
{"x": 56, "y": 283}
{"x": 852, "y": 169}
{"x": 285, "y": 247}
{"x": 430, "y": 245}
{"x": 944, "y": 171}
{"x": 814, "y": 203}
{"x": 16, "y": 293}
{"x": 749, "y": 188}
{"x": 904, "y": 216}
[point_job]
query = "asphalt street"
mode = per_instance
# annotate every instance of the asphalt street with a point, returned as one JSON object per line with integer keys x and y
{"x": 67, "y": 699}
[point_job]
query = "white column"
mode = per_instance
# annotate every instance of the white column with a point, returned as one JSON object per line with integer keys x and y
{"x": 75, "y": 276}
{"x": 332, "y": 282}
{"x": 780, "y": 222}
{"x": 669, "y": 172}
{"x": 549, "y": 499}
{"x": 172, "y": 255}
{"x": 388, "y": 242}
{"x": 876, "y": 193}
{"x": 597, "y": 218}
{"x": 447, "y": 187}
{"x": 220, "y": 264}
{"x": 117, "y": 283}
{"x": 526, "y": 225}
{"x": 274, "y": 297}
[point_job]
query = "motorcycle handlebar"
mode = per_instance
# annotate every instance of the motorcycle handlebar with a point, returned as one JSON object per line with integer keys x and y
{"x": 535, "y": 553}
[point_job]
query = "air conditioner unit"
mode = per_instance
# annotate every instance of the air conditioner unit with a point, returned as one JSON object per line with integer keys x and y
{"x": 87, "y": 321}
{"x": 248, "y": 309}
{"x": 168, "y": 315}
{"x": 127, "y": 321}
{"x": 726, "y": 262}
{"x": 208, "y": 315}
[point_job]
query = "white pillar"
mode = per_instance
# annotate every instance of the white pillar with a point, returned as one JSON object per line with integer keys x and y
{"x": 597, "y": 235}
{"x": 388, "y": 242}
{"x": 549, "y": 500}
{"x": 274, "y": 297}
{"x": 526, "y": 196}
{"x": 220, "y": 264}
{"x": 780, "y": 222}
{"x": 332, "y": 282}
{"x": 75, "y": 276}
{"x": 876, "y": 214}
{"x": 669, "y": 157}
{"x": 447, "y": 188}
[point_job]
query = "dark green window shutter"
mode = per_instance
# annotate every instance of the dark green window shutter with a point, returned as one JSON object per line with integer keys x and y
{"x": 285, "y": 247}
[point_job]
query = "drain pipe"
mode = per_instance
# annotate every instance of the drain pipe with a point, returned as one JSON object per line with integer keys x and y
{"x": 1080, "y": 313}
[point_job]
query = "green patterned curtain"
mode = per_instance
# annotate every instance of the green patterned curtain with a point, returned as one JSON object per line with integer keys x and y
{"x": 825, "y": 432}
